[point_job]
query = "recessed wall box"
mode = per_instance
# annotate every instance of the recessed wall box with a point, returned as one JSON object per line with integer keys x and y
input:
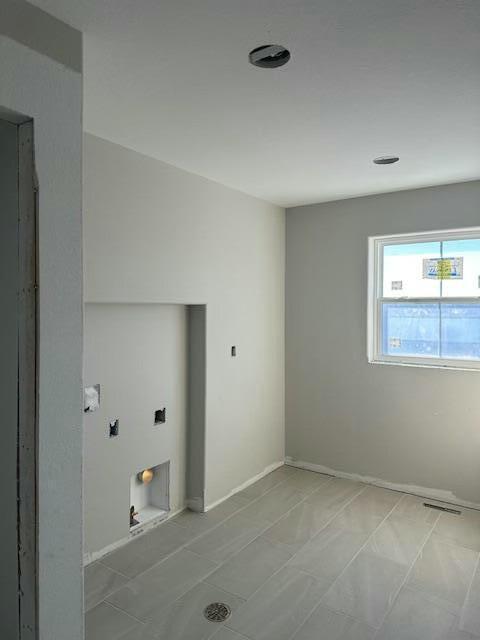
{"x": 160, "y": 416}
{"x": 113, "y": 426}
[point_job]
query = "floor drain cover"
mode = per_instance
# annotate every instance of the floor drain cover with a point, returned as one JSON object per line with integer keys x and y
{"x": 217, "y": 612}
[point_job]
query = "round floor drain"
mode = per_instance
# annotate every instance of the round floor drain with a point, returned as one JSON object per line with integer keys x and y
{"x": 217, "y": 612}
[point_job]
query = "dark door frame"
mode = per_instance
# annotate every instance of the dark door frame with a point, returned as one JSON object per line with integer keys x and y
{"x": 27, "y": 385}
{"x": 26, "y": 252}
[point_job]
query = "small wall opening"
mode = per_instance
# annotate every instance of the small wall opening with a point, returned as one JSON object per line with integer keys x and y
{"x": 149, "y": 495}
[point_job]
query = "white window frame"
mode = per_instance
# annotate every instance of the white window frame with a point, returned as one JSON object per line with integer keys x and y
{"x": 375, "y": 300}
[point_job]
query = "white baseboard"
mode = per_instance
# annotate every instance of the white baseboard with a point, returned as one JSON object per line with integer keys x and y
{"x": 424, "y": 492}
{"x": 259, "y": 476}
{"x": 93, "y": 556}
{"x": 88, "y": 558}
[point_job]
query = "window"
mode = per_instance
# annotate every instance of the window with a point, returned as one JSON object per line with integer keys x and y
{"x": 424, "y": 299}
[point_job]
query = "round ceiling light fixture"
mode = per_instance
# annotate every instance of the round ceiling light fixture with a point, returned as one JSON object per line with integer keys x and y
{"x": 269, "y": 56}
{"x": 386, "y": 160}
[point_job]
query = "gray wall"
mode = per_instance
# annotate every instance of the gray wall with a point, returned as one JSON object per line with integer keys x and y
{"x": 138, "y": 353}
{"x": 154, "y": 233}
{"x": 404, "y": 425}
{"x": 50, "y": 92}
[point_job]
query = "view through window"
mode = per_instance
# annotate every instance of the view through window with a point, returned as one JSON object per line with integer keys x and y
{"x": 427, "y": 299}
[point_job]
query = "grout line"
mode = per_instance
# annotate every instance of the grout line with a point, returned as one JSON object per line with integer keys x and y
{"x": 240, "y": 635}
{"x": 298, "y": 551}
{"x": 119, "y": 573}
{"x": 467, "y": 596}
{"x": 197, "y": 537}
{"x": 321, "y": 603}
{"x": 304, "y": 498}
{"x": 407, "y": 575}
{"x": 364, "y": 545}
{"x": 218, "y": 565}
{"x": 142, "y": 622}
{"x": 299, "y": 570}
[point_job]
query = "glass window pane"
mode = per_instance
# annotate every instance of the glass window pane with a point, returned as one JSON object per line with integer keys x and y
{"x": 411, "y": 329}
{"x": 461, "y": 331}
{"x": 468, "y": 284}
{"x": 403, "y": 268}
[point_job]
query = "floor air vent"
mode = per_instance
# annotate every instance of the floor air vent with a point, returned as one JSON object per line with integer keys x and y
{"x": 438, "y": 508}
{"x": 217, "y": 612}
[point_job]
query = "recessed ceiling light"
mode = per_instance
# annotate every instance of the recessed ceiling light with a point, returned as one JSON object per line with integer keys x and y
{"x": 269, "y": 56}
{"x": 386, "y": 160}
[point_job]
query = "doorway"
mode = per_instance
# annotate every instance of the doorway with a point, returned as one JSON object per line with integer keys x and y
{"x": 18, "y": 381}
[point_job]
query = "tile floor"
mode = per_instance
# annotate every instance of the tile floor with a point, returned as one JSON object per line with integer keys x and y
{"x": 297, "y": 556}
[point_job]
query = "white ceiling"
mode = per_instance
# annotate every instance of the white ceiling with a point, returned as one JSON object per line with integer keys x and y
{"x": 171, "y": 79}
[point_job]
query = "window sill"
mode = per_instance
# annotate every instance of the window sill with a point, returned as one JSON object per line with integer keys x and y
{"x": 427, "y": 365}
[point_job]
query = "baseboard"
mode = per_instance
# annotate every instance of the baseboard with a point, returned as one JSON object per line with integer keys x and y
{"x": 259, "y": 476}
{"x": 424, "y": 492}
{"x": 94, "y": 556}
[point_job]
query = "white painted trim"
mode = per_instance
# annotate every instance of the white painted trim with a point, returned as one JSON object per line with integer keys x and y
{"x": 88, "y": 558}
{"x": 439, "y": 495}
{"x": 259, "y": 476}
{"x": 376, "y": 300}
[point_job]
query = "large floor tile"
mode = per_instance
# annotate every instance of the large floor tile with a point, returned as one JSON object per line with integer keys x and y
{"x": 227, "y": 634}
{"x": 359, "y": 517}
{"x": 332, "y": 625}
{"x": 299, "y": 525}
{"x": 327, "y": 555}
{"x": 100, "y": 582}
{"x": 412, "y": 508}
{"x": 470, "y": 616}
{"x": 378, "y": 500}
{"x": 184, "y": 619}
{"x": 274, "y": 504}
{"x": 463, "y": 530}
{"x": 250, "y": 568}
{"x": 367, "y": 588}
{"x": 443, "y": 572}
{"x": 280, "y": 607}
{"x": 307, "y": 481}
{"x": 143, "y": 552}
{"x": 456, "y": 633}
{"x": 262, "y": 486}
{"x": 105, "y": 622}
{"x": 334, "y": 495}
{"x": 158, "y": 587}
{"x": 399, "y": 539}
{"x": 227, "y": 539}
{"x": 198, "y": 523}
{"x": 414, "y": 617}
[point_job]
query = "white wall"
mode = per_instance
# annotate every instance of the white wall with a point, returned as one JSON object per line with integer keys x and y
{"x": 138, "y": 353}
{"x": 154, "y": 233}
{"x": 51, "y": 93}
{"x": 399, "y": 424}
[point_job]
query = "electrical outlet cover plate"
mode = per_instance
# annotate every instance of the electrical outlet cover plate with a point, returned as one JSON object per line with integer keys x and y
{"x": 92, "y": 398}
